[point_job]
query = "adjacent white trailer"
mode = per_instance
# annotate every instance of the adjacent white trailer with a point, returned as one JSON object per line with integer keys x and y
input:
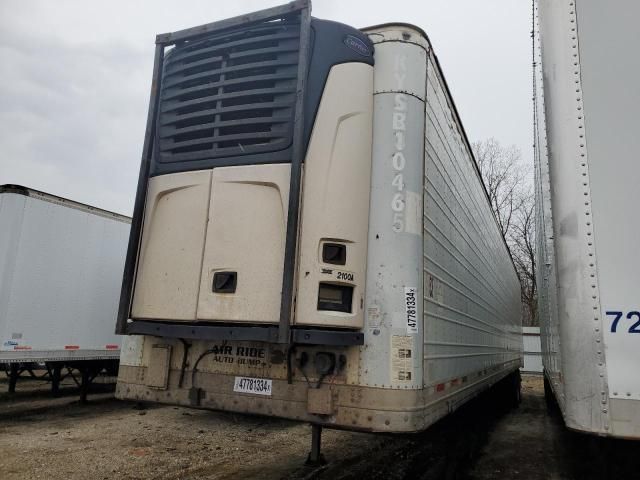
{"x": 394, "y": 299}
{"x": 587, "y": 196}
{"x": 532, "y": 350}
{"x": 61, "y": 264}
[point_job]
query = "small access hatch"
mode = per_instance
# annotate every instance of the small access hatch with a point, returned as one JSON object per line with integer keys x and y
{"x": 334, "y": 253}
{"x": 336, "y": 298}
{"x": 225, "y": 282}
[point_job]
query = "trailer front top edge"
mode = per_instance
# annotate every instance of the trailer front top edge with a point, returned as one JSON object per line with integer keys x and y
{"x": 49, "y": 197}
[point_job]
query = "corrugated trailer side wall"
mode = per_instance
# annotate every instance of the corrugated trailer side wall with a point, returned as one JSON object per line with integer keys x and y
{"x": 471, "y": 291}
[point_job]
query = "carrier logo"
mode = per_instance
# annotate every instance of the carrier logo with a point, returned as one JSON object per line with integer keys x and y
{"x": 10, "y": 343}
{"x": 357, "y": 45}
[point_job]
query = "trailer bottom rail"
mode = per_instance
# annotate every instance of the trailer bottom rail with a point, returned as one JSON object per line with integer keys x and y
{"x": 82, "y": 372}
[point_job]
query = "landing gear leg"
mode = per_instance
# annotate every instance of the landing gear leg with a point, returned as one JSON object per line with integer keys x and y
{"x": 517, "y": 389}
{"x": 548, "y": 395}
{"x": 315, "y": 457}
{"x": 14, "y": 373}
{"x": 84, "y": 386}
{"x": 56, "y": 372}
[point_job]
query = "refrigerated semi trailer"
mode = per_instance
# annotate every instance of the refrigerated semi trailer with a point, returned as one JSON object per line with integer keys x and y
{"x": 587, "y": 199}
{"x": 61, "y": 266}
{"x": 312, "y": 238}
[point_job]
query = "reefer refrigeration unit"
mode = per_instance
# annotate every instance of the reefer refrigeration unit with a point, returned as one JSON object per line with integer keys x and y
{"x": 587, "y": 197}
{"x": 312, "y": 238}
{"x": 61, "y": 264}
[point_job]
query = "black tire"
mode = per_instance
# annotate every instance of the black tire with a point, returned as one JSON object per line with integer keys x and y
{"x": 513, "y": 391}
{"x": 517, "y": 389}
{"x": 549, "y": 399}
{"x": 112, "y": 368}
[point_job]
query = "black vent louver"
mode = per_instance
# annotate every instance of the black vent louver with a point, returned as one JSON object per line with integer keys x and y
{"x": 229, "y": 94}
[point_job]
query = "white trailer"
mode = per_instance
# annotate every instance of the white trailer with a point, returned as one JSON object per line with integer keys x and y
{"x": 61, "y": 264}
{"x": 587, "y": 196}
{"x": 396, "y": 300}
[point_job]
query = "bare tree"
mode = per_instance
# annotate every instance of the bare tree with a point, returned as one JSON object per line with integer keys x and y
{"x": 510, "y": 191}
{"x": 504, "y": 179}
{"x": 522, "y": 245}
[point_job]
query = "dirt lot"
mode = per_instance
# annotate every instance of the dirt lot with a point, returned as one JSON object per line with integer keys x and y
{"x": 532, "y": 443}
{"x": 52, "y": 439}
{"x": 47, "y": 438}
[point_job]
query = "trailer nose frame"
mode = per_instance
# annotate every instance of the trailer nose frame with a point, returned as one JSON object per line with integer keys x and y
{"x": 283, "y": 333}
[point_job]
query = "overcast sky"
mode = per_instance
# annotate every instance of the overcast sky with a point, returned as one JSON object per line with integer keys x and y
{"x": 75, "y": 76}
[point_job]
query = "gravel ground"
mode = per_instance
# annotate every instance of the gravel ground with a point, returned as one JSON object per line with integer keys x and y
{"x": 533, "y": 444}
{"x": 45, "y": 438}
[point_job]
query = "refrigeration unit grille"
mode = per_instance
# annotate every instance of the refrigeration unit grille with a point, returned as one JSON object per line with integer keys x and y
{"x": 229, "y": 94}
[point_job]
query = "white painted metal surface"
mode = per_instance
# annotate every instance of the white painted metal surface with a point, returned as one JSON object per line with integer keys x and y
{"x": 344, "y": 114}
{"x": 395, "y": 219}
{"x": 587, "y": 187}
{"x": 60, "y": 272}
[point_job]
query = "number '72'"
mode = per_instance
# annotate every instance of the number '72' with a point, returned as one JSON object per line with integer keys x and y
{"x": 635, "y": 328}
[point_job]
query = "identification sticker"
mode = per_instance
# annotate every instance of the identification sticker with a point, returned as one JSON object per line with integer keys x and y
{"x": 257, "y": 386}
{"x": 411, "y": 308}
{"x": 401, "y": 358}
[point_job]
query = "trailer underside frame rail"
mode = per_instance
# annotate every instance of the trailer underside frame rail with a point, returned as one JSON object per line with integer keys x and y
{"x": 269, "y": 334}
{"x": 88, "y": 370}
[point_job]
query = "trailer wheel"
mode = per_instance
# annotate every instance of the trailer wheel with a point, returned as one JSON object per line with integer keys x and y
{"x": 111, "y": 367}
{"x": 548, "y": 395}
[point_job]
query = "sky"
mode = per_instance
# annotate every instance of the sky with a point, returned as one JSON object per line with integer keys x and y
{"x": 75, "y": 78}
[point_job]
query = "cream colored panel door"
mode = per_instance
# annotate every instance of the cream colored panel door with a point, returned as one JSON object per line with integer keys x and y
{"x": 335, "y": 202}
{"x": 170, "y": 257}
{"x": 245, "y": 240}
